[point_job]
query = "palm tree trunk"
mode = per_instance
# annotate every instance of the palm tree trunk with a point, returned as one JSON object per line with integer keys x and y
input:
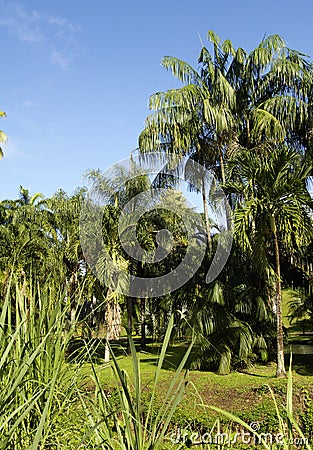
{"x": 227, "y": 203}
{"x": 108, "y": 321}
{"x": 143, "y": 322}
{"x": 129, "y": 306}
{"x": 106, "y": 351}
{"x": 113, "y": 322}
{"x": 72, "y": 289}
{"x": 206, "y": 214}
{"x": 222, "y": 165}
{"x": 280, "y": 372}
{"x": 248, "y": 133}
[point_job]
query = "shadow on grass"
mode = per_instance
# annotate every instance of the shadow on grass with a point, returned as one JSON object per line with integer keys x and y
{"x": 252, "y": 374}
{"x": 301, "y": 328}
{"x": 301, "y": 363}
{"x": 93, "y": 349}
{"x": 172, "y": 358}
{"x": 77, "y": 351}
{"x": 302, "y": 353}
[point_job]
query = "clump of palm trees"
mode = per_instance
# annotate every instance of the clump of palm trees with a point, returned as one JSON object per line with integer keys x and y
{"x": 247, "y": 116}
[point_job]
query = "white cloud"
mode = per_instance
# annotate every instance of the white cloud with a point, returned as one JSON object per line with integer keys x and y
{"x": 54, "y": 35}
{"x": 26, "y": 104}
{"x": 60, "y": 22}
{"x": 17, "y": 23}
{"x": 59, "y": 60}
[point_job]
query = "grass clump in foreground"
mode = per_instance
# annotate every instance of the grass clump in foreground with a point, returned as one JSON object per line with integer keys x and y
{"x": 34, "y": 384}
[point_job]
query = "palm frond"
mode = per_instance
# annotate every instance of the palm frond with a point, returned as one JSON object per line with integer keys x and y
{"x": 181, "y": 70}
{"x": 266, "y": 125}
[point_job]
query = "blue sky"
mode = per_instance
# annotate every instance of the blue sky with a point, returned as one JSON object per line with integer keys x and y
{"x": 76, "y": 75}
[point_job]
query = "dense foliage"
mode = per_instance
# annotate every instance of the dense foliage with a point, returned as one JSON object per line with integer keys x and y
{"x": 248, "y": 118}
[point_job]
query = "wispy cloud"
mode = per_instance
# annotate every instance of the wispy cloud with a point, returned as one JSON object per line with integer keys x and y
{"x": 53, "y": 35}
{"x": 62, "y": 61}
{"x": 26, "y": 104}
{"x": 57, "y": 21}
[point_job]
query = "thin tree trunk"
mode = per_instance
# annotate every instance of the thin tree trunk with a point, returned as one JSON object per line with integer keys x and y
{"x": 248, "y": 133}
{"x": 113, "y": 322}
{"x": 72, "y": 295}
{"x": 223, "y": 176}
{"x": 106, "y": 351}
{"x": 227, "y": 208}
{"x": 143, "y": 322}
{"x": 280, "y": 372}
{"x": 206, "y": 214}
{"x": 129, "y": 306}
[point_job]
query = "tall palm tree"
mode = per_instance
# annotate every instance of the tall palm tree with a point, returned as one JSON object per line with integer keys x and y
{"x": 193, "y": 120}
{"x": 275, "y": 212}
{"x": 234, "y": 98}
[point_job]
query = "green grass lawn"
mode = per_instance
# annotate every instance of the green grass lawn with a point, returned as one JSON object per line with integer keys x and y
{"x": 244, "y": 393}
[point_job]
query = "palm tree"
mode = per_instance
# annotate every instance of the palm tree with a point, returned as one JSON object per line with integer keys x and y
{"x": 64, "y": 213}
{"x": 124, "y": 233}
{"x": 112, "y": 262}
{"x": 234, "y": 98}
{"x": 24, "y": 237}
{"x": 275, "y": 213}
{"x": 192, "y": 121}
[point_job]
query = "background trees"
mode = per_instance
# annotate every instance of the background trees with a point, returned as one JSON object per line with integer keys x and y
{"x": 274, "y": 212}
{"x": 247, "y": 116}
{"x": 251, "y": 113}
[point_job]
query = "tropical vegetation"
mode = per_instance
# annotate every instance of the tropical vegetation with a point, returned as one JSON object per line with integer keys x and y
{"x": 246, "y": 117}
